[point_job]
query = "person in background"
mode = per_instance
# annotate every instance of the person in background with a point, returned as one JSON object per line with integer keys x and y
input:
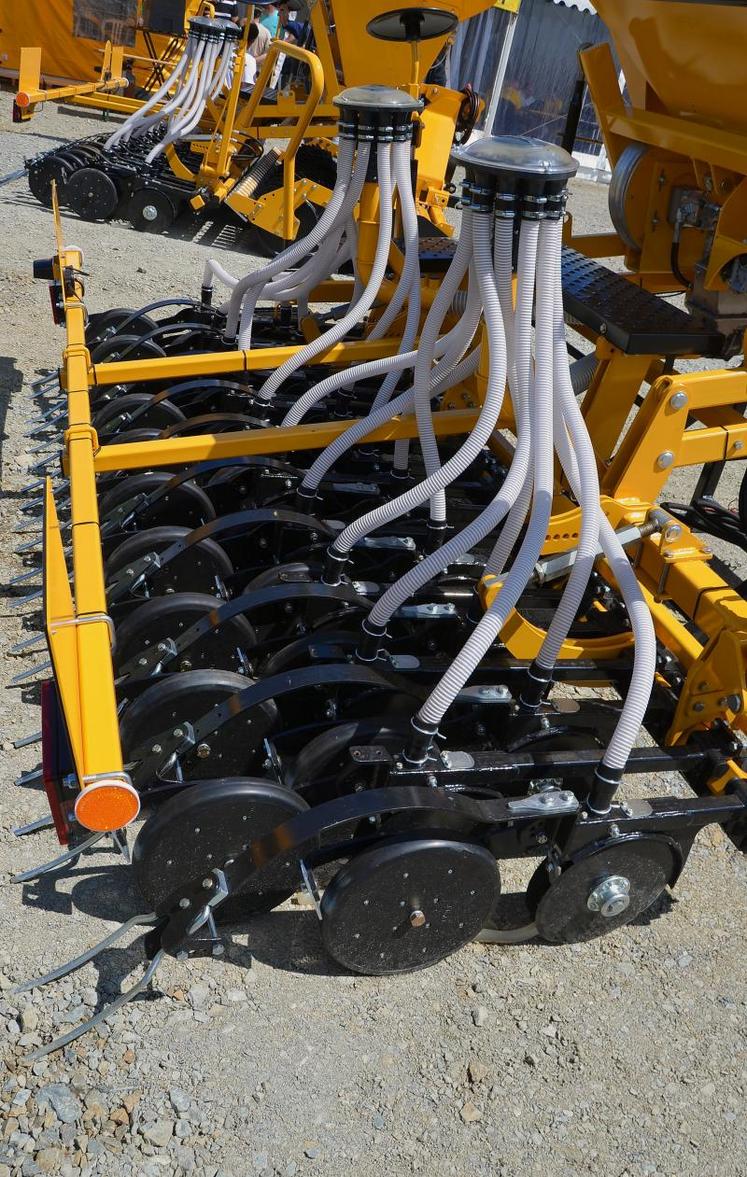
{"x": 249, "y": 76}
{"x": 295, "y": 31}
{"x": 261, "y": 42}
{"x": 270, "y": 19}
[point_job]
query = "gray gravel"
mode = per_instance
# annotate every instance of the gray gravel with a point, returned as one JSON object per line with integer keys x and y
{"x": 624, "y": 1057}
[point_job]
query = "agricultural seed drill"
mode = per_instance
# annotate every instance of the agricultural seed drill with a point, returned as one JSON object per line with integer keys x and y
{"x": 340, "y": 547}
{"x": 200, "y": 141}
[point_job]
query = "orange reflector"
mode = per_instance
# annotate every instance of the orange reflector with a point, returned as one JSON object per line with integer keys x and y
{"x": 22, "y": 100}
{"x": 107, "y": 805}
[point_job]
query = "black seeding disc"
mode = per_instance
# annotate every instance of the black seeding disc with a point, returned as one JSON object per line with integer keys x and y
{"x": 604, "y": 889}
{"x": 203, "y": 826}
{"x": 139, "y": 408}
{"x": 186, "y": 502}
{"x": 92, "y": 194}
{"x": 169, "y": 617}
{"x": 406, "y": 904}
{"x": 43, "y": 172}
{"x": 195, "y": 569}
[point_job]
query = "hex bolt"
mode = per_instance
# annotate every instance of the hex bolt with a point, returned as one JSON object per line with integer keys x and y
{"x": 184, "y": 903}
{"x": 672, "y": 532}
{"x": 678, "y": 401}
{"x": 156, "y": 749}
{"x": 738, "y": 445}
{"x": 218, "y": 949}
{"x": 665, "y": 459}
{"x": 178, "y": 732}
{"x": 203, "y": 751}
{"x": 207, "y": 884}
{"x": 698, "y": 706}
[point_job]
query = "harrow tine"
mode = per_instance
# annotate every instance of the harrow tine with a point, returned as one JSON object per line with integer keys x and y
{"x": 69, "y": 856}
{"x": 136, "y": 921}
{"x": 25, "y": 528}
{"x": 43, "y": 445}
{"x": 35, "y": 596}
{"x": 24, "y": 576}
{"x": 34, "y": 505}
{"x": 33, "y": 545}
{"x": 31, "y": 827}
{"x": 32, "y": 486}
{"x": 26, "y": 778}
{"x": 26, "y": 644}
{"x": 25, "y": 741}
{"x": 27, "y": 674}
{"x": 102, "y": 1015}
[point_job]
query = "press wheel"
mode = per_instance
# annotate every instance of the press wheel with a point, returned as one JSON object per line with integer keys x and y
{"x": 138, "y": 408}
{"x": 602, "y": 888}
{"x": 92, "y": 194}
{"x": 203, "y": 826}
{"x": 193, "y": 570}
{"x": 406, "y": 904}
{"x": 186, "y": 504}
{"x": 43, "y": 172}
{"x": 150, "y": 211}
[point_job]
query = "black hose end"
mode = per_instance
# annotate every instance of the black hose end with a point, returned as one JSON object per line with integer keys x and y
{"x": 436, "y": 534}
{"x": 421, "y": 741}
{"x": 305, "y": 496}
{"x": 536, "y": 687}
{"x": 206, "y": 296}
{"x": 370, "y": 641}
{"x": 401, "y": 475}
{"x": 606, "y": 783}
{"x": 334, "y": 566}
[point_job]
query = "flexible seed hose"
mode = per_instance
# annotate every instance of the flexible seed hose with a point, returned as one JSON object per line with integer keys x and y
{"x": 485, "y": 424}
{"x": 248, "y": 290}
{"x": 182, "y": 98}
{"x": 408, "y": 287}
{"x": 138, "y": 116}
{"x": 400, "y": 404}
{"x": 644, "y": 638}
{"x": 568, "y": 416}
{"x": 419, "y": 575}
{"x": 359, "y": 309}
{"x": 493, "y": 620}
{"x": 187, "y": 119}
{"x": 293, "y": 254}
{"x": 454, "y": 343}
{"x": 582, "y": 372}
{"x": 523, "y": 363}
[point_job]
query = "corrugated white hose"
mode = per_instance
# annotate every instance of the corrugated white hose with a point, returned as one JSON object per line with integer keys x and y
{"x": 526, "y": 274}
{"x": 182, "y": 96}
{"x": 158, "y": 96}
{"x": 568, "y": 417}
{"x": 486, "y": 421}
{"x": 582, "y": 372}
{"x": 463, "y": 334}
{"x": 476, "y": 531}
{"x": 409, "y": 278}
{"x": 224, "y": 68}
{"x": 490, "y": 625}
{"x": 184, "y": 122}
{"x": 248, "y": 290}
{"x": 347, "y": 199}
{"x": 361, "y": 428}
{"x": 644, "y": 638}
{"x": 359, "y": 309}
{"x": 451, "y": 345}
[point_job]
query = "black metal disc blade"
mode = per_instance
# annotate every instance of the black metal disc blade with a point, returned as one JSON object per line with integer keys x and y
{"x": 404, "y": 905}
{"x": 206, "y": 824}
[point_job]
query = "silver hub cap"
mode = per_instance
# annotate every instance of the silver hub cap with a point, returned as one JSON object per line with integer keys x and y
{"x": 610, "y": 897}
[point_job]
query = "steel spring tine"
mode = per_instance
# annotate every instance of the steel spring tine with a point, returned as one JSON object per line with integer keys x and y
{"x": 35, "y": 596}
{"x": 135, "y": 921}
{"x": 27, "y": 777}
{"x": 26, "y": 644}
{"x": 33, "y": 545}
{"x": 34, "y": 505}
{"x": 62, "y": 859}
{"x": 24, "y": 576}
{"x": 103, "y": 1014}
{"x": 32, "y": 486}
{"x": 41, "y": 823}
{"x": 25, "y": 741}
{"x": 43, "y": 445}
{"x": 27, "y": 674}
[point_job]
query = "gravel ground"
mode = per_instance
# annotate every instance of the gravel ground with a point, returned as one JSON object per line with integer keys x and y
{"x": 623, "y": 1057}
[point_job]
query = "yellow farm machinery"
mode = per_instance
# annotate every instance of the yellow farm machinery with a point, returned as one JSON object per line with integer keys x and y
{"x": 374, "y": 582}
{"x": 198, "y": 140}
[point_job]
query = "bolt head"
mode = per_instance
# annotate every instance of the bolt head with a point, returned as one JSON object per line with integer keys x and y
{"x": 678, "y": 401}
{"x": 664, "y": 460}
{"x": 156, "y": 749}
{"x": 150, "y": 212}
{"x": 184, "y": 903}
{"x": 203, "y": 751}
{"x": 417, "y": 918}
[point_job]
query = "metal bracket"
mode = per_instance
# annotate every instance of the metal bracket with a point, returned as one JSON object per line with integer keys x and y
{"x": 86, "y": 619}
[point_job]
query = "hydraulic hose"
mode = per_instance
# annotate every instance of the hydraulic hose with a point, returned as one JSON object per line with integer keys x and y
{"x": 492, "y": 622}
{"x": 484, "y": 426}
{"x": 359, "y": 309}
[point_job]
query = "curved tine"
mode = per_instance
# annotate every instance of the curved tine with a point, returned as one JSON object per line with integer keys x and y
{"x": 33, "y": 670}
{"x": 69, "y": 856}
{"x": 102, "y": 1015}
{"x": 77, "y": 962}
{"x": 41, "y": 823}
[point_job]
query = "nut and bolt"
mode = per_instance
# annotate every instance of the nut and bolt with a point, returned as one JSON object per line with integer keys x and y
{"x": 672, "y": 532}
{"x": 611, "y": 897}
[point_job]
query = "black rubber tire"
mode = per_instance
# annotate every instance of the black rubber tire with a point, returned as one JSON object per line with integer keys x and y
{"x": 42, "y": 172}
{"x": 139, "y": 717}
{"x": 92, "y": 194}
{"x": 160, "y": 202}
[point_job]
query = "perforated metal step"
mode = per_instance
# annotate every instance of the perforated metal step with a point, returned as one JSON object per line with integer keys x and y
{"x": 634, "y": 320}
